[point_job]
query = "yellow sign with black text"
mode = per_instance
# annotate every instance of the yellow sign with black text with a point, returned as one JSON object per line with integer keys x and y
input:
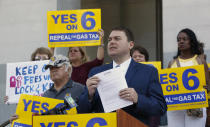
{"x": 79, "y": 120}
{"x": 70, "y": 28}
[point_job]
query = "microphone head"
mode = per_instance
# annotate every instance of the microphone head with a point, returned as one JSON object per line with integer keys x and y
{"x": 69, "y": 101}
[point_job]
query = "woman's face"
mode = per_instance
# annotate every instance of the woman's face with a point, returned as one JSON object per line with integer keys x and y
{"x": 39, "y": 57}
{"x": 138, "y": 57}
{"x": 183, "y": 41}
{"x": 74, "y": 54}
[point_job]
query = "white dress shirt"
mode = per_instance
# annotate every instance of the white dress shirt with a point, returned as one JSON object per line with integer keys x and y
{"x": 123, "y": 66}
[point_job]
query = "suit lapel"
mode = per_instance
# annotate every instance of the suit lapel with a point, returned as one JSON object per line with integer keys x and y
{"x": 108, "y": 66}
{"x": 131, "y": 71}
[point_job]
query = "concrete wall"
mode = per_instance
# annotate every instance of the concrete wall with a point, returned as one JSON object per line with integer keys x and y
{"x": 66, "y": 5}
{"x": 23, "y": 28}
{"x": 138, "y": 15}
{"x": 179, "y": 14}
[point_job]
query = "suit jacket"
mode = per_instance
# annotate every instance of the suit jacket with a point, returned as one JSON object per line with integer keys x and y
{"x": 144, "y": 79}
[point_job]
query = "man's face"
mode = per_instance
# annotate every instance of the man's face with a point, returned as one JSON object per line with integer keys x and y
{"x": 58, "y": 73}
{"x": 118, "y": 44}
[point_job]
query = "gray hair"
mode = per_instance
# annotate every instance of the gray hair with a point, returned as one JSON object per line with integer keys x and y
{"x": 67, "y": 66}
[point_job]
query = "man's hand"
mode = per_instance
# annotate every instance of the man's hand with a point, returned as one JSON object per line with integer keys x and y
{"x": 92, "y": 84}
{"x": 129, "y": 94}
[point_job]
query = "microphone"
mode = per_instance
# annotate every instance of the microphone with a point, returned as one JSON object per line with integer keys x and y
{"x": 68, "y": 104}
{"x": 5, "y": 123}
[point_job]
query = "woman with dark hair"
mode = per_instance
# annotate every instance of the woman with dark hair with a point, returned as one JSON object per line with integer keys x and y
{"x": 190, "y": 52}
{"x": 139, "y": 54}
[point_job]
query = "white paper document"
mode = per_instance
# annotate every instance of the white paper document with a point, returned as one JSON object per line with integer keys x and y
{"x": 111, "y": 82}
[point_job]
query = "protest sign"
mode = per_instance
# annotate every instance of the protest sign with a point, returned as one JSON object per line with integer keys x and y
{"x": 27, "y": 78}
{"x": 80, "y": 120}
{"x": 156, "y": 64}
{"x": 29, "y": 104}
{"x": 70, "y": 28}
{"x": 183, "y": 87}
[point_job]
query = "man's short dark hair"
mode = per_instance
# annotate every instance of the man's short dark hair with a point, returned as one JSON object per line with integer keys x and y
{"x": 127, "y": 31}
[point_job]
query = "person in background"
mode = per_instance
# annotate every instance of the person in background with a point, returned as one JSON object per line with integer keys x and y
{"x": 190, "y": 52}
{"x": 40, "y": 53}
{"x": 143, "y": 90}
{"x": 60, "y": 74}
{"x": 140, "y": 54}
{"x": 81, "y": 65}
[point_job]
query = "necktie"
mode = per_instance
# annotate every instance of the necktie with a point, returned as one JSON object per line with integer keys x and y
{"x": 117, "y": 66}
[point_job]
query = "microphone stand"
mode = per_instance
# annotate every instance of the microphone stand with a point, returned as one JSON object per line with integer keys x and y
{"x": 5, "y": 123}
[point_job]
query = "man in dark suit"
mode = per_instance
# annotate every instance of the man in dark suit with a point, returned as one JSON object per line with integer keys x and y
{"x": 143, "y": 90}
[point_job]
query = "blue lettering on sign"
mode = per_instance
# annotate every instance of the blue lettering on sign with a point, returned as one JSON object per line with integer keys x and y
{"x": 172, "y": 88}
{"x": 46, "y": 77}
{"x": 85, "y": 36}
{"x": 26, "y": 70}
{"x": 73, "y": 18}
{"x": 173, "y": 78}
{"x": 24, "y": 89}
{"x": 32, "y": 79}
{"x": 165, "y": 80}
{"x": 43, "y": 68}
{"x": 57, "y": 124}
{"x": 45, "y": 86}
{"x": 72, "y": 27}
{"x": 186, "y": 79}
{"x": 98, "y": 120}
{"x": 49, "y": 125}
{"x": 84, "y": 20}
{"x": 45, "y": 107}
{"x": 185, "y": 98}
{"x": 64, "y": 18}
{"x": 26, "y": 104}
{"x": 163, "y": 77}
{"x": 72, "y": 123}
{"x": 21, "y": 125}
{"x": 91, "y": 123}
{"x": 55, "y": 18}
{"x": 35, "y": 106}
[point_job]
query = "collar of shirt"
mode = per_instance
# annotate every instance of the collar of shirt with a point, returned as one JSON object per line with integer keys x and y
{"x": 68, "y": 85}
{"x": 124, "y": 66}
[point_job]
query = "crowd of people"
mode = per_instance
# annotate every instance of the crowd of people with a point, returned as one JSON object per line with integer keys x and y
{"x": 76, "y": 75}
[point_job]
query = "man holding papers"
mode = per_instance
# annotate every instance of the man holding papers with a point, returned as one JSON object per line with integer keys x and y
{"x": 143, "y": 94}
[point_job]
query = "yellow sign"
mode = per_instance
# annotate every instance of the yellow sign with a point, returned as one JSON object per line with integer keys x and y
{"x": 29, "y": 105}
{"x": 80, "y": 120}
{"x": 183, "y": 87}
{"x": 72, "y": 28}
{"x": 156, "y": 64}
